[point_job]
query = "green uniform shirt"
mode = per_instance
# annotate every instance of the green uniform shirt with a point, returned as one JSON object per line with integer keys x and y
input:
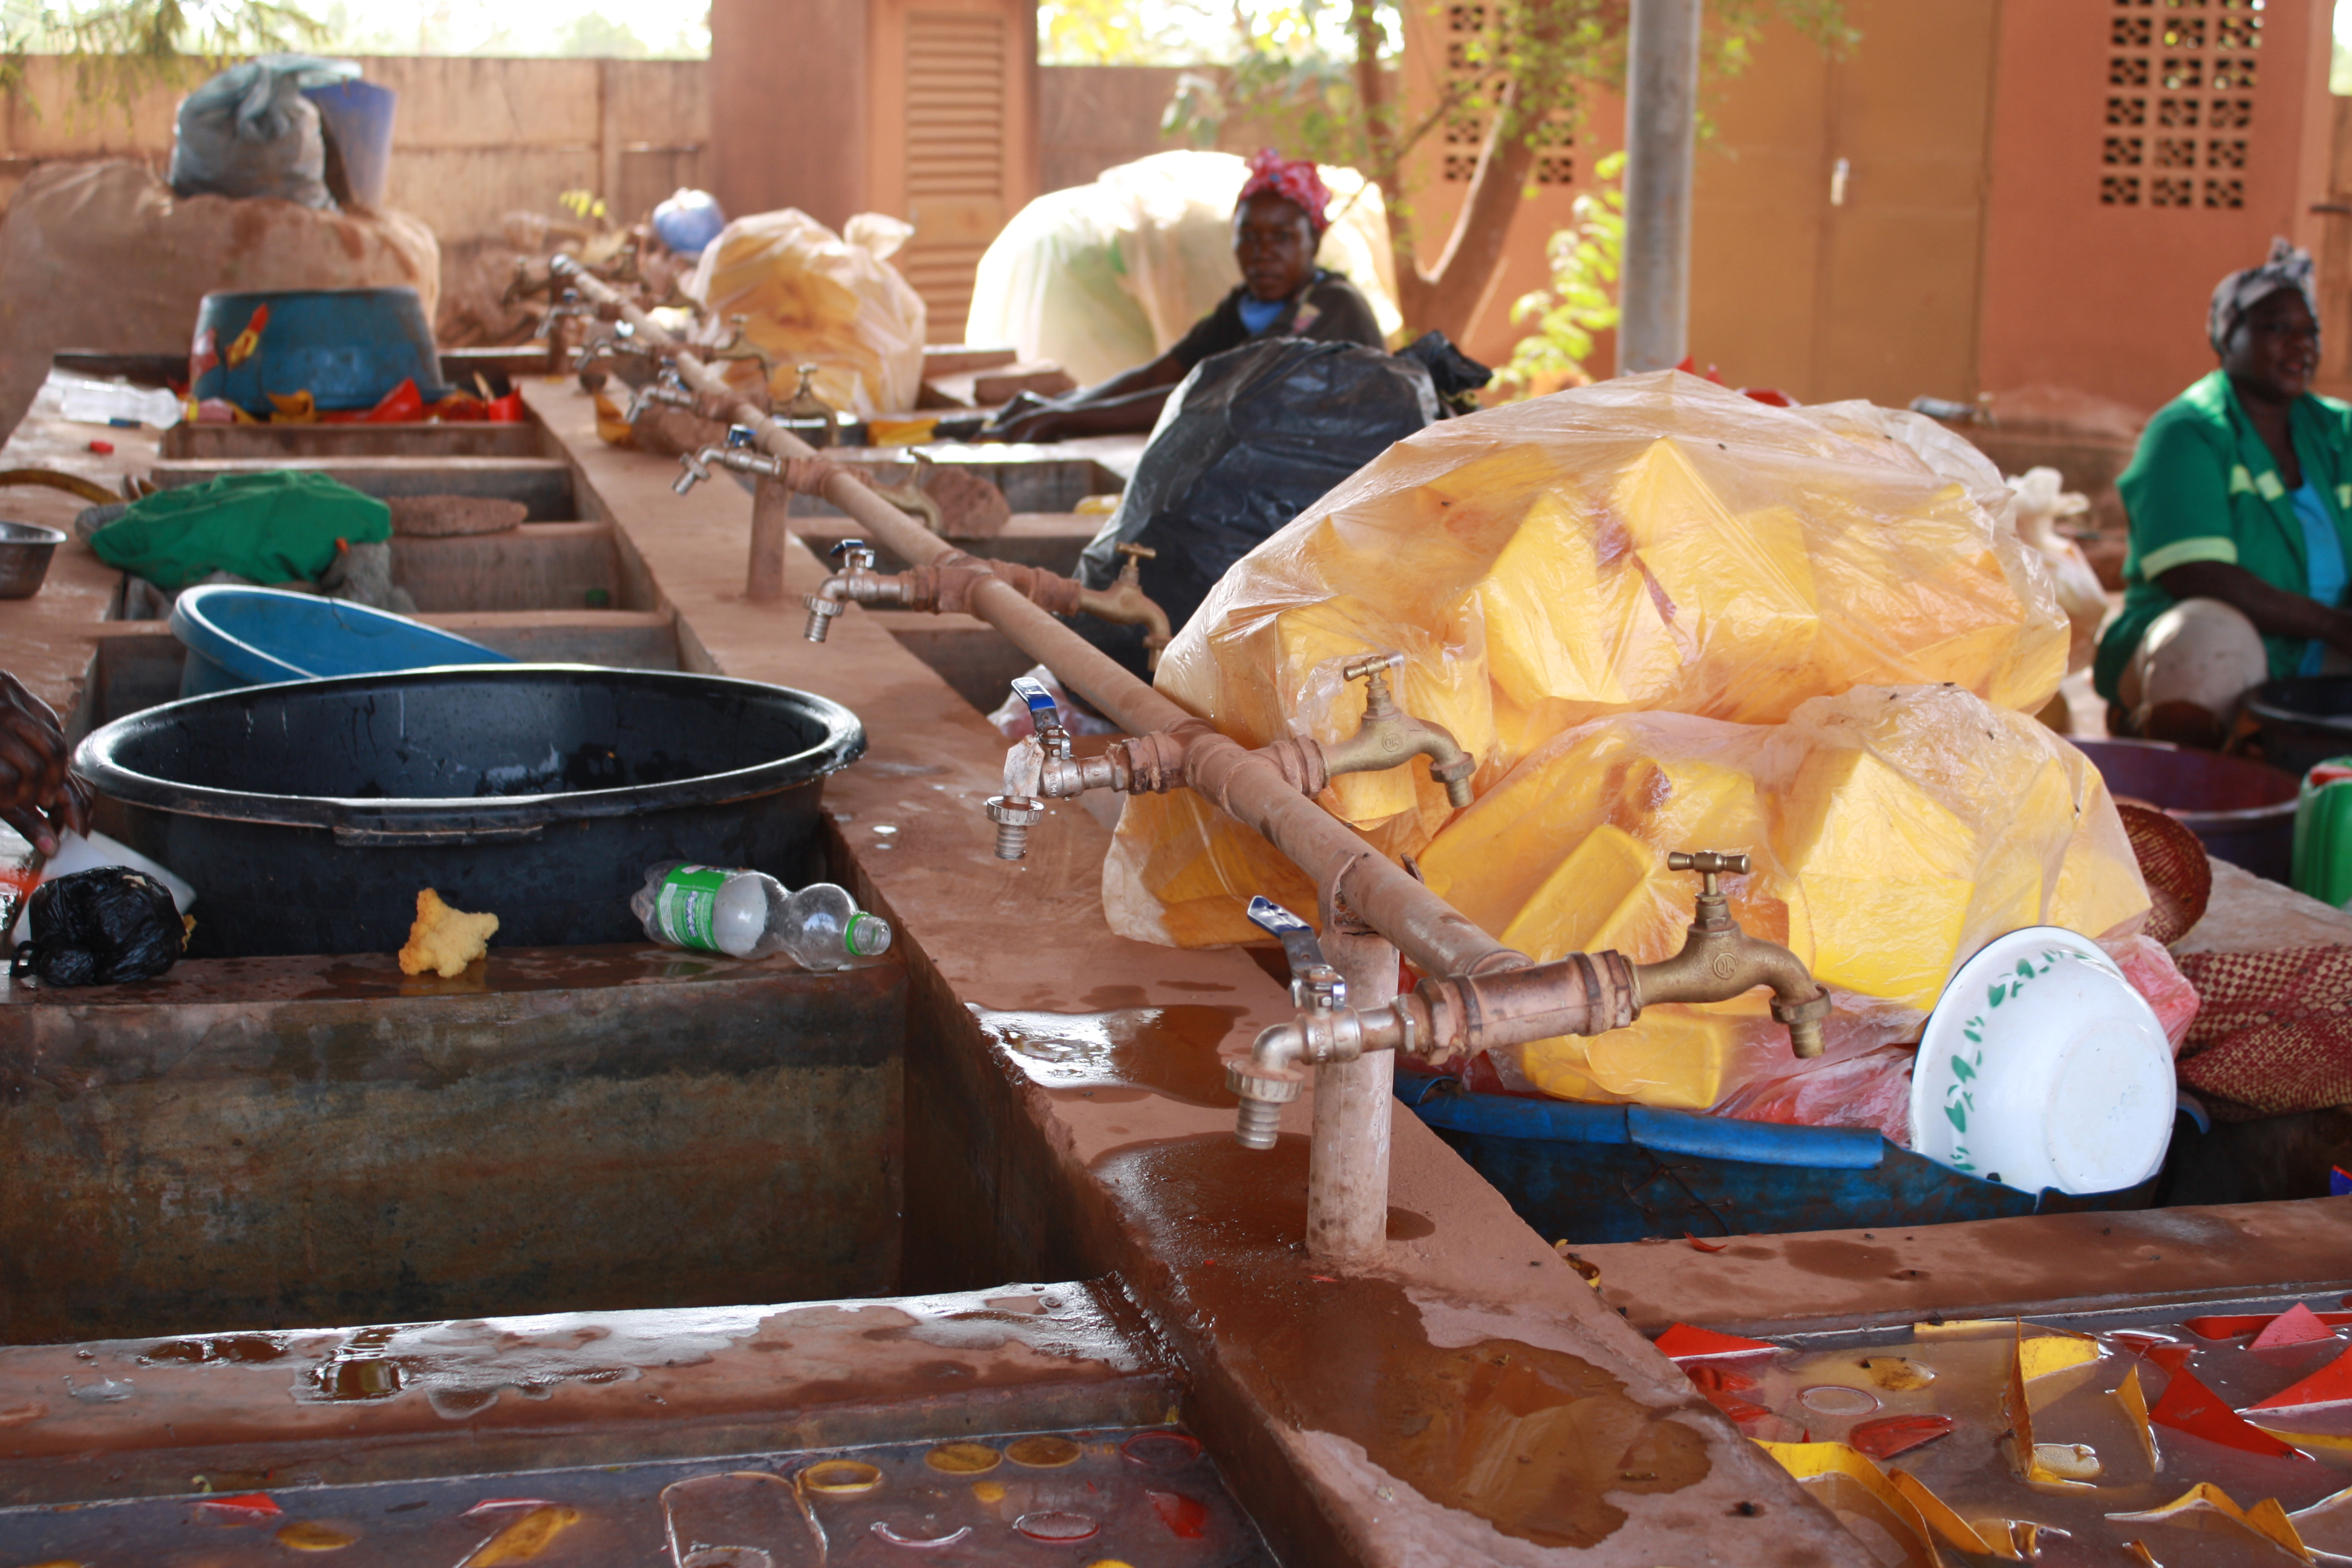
{"x": 2202, "y": 487}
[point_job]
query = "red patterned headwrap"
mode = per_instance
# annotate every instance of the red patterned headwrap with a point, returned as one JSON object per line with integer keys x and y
{"x": 1294, "y": 180}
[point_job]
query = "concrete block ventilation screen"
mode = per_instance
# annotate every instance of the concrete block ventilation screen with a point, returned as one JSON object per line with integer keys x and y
{"x": 955, "y": 156}
{"x": 1466, "y": 68}
{"x": 2181, "y": 80}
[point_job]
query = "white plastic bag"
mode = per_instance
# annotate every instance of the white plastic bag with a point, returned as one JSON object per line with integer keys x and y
{"x": 1104, "y": 276}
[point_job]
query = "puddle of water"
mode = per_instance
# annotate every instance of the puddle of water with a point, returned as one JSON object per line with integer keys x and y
{"x": 1168, "y": 1051}
{"x": 1149, "y": 1498}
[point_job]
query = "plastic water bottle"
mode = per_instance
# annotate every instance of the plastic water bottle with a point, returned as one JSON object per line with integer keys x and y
{"x": 119, "y": 403}
{"x": 749, "y": 914}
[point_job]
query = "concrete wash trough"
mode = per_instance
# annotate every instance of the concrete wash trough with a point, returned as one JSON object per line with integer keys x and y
{"x": 1468, "y": 1399}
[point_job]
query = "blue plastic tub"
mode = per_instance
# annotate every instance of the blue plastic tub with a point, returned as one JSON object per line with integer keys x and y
{"x": 346, "y": 347}
{"x": 358, "y": 114}
{"x": 1591, "y": 1173}
{"x": 238, "y": 636}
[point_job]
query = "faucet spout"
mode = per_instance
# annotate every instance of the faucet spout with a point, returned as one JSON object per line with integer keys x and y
{"x": 1388, "y": 735}
{"x": 1719, "y": 961}
{"x": 1126, "y": 604}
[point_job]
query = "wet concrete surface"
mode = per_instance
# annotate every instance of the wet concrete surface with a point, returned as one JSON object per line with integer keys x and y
{"x": 144, "y": 1417}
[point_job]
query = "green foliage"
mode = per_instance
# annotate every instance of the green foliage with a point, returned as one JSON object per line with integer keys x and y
{"x": 1585, "y": 258}
{"x": 581, "y": 203}
{"x": 595, "y": 36}
{"x": 1128, "y": 32}
{"x": 124, "y": 47}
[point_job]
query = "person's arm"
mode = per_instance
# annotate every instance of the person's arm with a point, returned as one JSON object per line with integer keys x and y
{"x": 2276, "y": 612}
{"x": 38, "y": 795}
{"x": 1127, "y": 401}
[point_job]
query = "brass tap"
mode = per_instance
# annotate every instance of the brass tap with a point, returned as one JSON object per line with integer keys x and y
{"x": 740, "y": 346}
{"x": 1388, "y": 735}
{"x": 1719, "y": 961}
{"x": 807, "y": 406}
{"x": 1124, "y": 602}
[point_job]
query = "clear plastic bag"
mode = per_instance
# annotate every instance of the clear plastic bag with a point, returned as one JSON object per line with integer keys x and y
{"x": 1104, "y": 276}
{"x": 1653, "y": 544}
{"x": 811, "y": 296}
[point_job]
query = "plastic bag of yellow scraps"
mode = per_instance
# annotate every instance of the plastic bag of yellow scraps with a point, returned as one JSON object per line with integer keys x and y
{"x": 1653, "y": 544}
{"x": 811, "y": 296}
{"x": 1891, "y": 832}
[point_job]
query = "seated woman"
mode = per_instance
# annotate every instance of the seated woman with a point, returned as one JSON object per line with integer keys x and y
{"x": 2238, "y": 497}
{"x": 1278, "y": 224}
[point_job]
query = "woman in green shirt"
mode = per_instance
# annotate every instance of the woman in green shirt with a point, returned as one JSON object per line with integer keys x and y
{"x": 2237, "y": 499}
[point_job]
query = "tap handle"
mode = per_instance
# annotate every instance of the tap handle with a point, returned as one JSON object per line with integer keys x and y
{"x": 855, "y": 553}
{"x": 1313, "y": 981}
{"x": 1371, "y": 663}
{"x": 1137, "y": 551}
{"x": 1710, "y": 864}
{"x": 1042, "y": 710}
{"x": 739, "y": 436}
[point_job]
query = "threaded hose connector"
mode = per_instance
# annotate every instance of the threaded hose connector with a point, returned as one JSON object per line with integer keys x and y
{"x": 821, "y": 612}
{"x": 1013, "y": 817}
{"x": 1258, "y": 1123}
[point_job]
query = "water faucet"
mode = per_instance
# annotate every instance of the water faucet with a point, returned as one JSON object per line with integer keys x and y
{"x": 1019, "y": 809}
{"x": 569, "y": 306}
{"x": 1388, "y": 735}
{"x": 855, "y": 581}
{"x": 1124, "y": 603}
{"x": 666, "y": 389}
{"x": 623, "y": 343}
{"x": 739, "y": 454}
{"x": 1447, "y": 1019}
{"x": 1268, "y": 1081}
{"x": 1719, "y": 961}
{"x": 740, "y": 346}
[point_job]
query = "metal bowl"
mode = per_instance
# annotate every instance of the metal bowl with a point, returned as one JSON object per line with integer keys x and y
{"x": 25, "y": 551}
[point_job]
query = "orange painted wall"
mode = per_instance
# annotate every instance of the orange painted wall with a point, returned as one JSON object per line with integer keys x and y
{"x": 2111, "y": 298}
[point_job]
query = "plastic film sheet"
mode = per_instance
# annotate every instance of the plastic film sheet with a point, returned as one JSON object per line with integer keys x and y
{"x": 1653, "y": 544}
{"x": 811, "y": 296}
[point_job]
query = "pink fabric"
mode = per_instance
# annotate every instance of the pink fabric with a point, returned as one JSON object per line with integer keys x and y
{"x": 2152, "y": 972}
{"x": 1295, "y": 180}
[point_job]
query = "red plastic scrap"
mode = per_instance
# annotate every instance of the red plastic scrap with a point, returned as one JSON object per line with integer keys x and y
{"x": 2230, "y": 1327}
{"x": 2298, "y": 1325}
{"x": 1891, "y": 1435}
{"x": 2190, "y": 1407}
{"x": 1683, "y": 1341}
{"x": 103, "y": 448}
{"x": 246, "y": 1507}
{"x": 2331, "y": 1384}
{"x": 1704, "y": 1245}
{"x": 1186, "y": 1519}
{"x": 1712, "y": 1380}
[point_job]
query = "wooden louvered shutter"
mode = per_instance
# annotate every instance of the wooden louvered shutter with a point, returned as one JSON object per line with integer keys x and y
{"x": 956, "y": 186}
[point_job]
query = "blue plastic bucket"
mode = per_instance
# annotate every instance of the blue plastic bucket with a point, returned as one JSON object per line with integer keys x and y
{"x": 238, "y": 636}
{"x": 346, "y": 347}
{"x": 358, "y": 115}
{"x": 1593, "y": 1173}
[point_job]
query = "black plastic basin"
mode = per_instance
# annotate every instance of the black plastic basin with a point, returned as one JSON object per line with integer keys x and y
{"x": 2242, "y": 811}
{"x": 308, "y": 815}
{"x": 2306, "y": 719}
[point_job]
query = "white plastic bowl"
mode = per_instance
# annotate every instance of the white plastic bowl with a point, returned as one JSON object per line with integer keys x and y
{"x": 2040, "y": 1066}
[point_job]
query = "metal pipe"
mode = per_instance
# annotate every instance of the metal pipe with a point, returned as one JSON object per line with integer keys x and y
{"x": 1348, "y": 1160}
{"x": 1661, "y": 109}
{"x": 1436, "y": 937}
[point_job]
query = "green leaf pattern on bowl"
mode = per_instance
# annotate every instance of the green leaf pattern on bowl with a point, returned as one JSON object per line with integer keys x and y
{"x": 1959, "y": 1100}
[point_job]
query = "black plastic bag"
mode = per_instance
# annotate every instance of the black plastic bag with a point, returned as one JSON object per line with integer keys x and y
{"x": 1455, "y": 374}
{"x": 101, "y": 926}
{"x": 1260, "y": 433}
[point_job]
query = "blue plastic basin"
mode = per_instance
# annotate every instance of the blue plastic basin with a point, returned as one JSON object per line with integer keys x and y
{"x": 238, "y": 636}
{"x": 346, "y": 347}
{"x": 358, "y": 115}
{"x": 1624, "y": 1173}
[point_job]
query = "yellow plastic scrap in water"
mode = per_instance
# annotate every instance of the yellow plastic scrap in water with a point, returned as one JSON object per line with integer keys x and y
{"x": 1938, "y": 1516}
{"x": 2207, "y": 1507}
{"x": 1831, "y": 1469}
{"x": 525, "y": 1538}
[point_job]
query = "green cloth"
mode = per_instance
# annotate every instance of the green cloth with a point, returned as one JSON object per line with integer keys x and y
{"x": 275, "y": 527}
{"x": 2202, "y": 487}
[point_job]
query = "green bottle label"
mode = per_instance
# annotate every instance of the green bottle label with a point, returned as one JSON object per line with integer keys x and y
{"x": 684, "y": 907}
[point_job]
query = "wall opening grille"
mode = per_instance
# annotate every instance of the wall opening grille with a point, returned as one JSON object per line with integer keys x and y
{"x": 1464, "y": 128}
{"x": 955, "y": 156}
{"x": 2189, "y": 69}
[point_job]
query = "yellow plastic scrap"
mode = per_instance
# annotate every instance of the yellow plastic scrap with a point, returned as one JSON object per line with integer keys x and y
{"x": 2129, "y": 1395}
{"x": 1830, "y": 1466}
{"x": 1891, "y": 832}
{"x": 1936, "y": 1514}
{"x": 2049, "y": 1350}
{"x": 1653, "y": 544}
{"x": 2207, "y": 1507}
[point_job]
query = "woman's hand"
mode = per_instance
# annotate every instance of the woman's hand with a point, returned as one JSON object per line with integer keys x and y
{"x": 38, "y": 795}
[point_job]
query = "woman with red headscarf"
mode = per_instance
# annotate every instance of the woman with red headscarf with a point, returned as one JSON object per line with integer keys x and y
{"x": 1278, "y": 224}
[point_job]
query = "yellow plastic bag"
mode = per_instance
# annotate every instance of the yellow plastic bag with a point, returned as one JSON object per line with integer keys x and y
{"x": 811, "y": 296}
{"x": 1891, "y": 833}
{"x": 1654, "y": 544}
